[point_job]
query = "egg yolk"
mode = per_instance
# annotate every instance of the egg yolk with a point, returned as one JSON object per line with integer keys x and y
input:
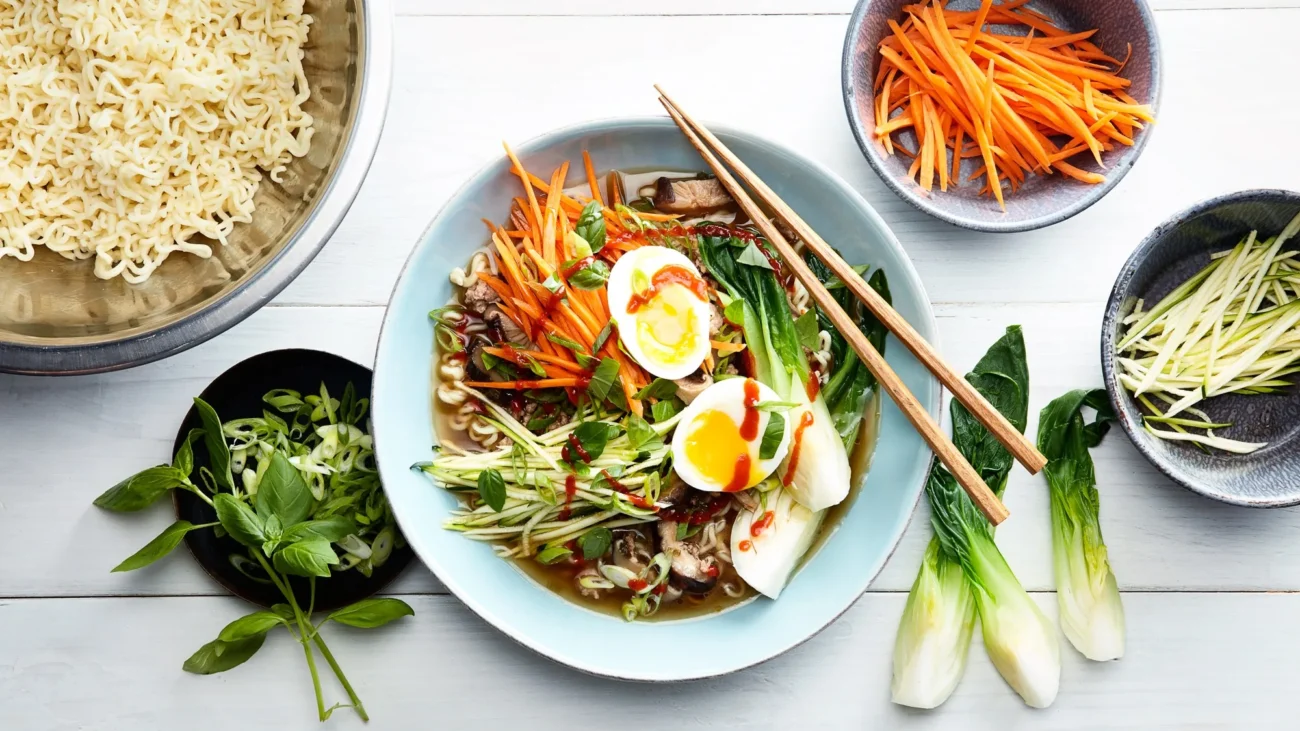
{"x": 716, "y": 449}
{"x": 665, "y": 326}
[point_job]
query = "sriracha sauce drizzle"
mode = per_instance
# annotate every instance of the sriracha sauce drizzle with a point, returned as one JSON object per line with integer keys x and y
{"x": 670, "y": 274}
{"x": 749, "y": 427}
{"x": 570, "y": 489}
{"x": 804, "y": 423}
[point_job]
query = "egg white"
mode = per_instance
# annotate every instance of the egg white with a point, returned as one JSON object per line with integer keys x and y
{"x": 728, "y": 397}
{"x": 648, "y": 260}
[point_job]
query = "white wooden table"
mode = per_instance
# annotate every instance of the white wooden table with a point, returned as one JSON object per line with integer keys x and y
{"x": 1210, "y": 590}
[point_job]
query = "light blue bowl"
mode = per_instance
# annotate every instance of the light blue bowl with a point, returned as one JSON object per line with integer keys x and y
{"x": 499, "y": 592}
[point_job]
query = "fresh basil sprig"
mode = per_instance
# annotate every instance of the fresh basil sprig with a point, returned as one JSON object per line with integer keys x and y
{"x": 286, "y": 525}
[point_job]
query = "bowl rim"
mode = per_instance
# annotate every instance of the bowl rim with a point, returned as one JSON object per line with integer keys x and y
{"x": 1096, "y": 193}
{"x": 907, "y": 272}
{"x": 217, "y": 316}
{"x": 1119, "y": 292}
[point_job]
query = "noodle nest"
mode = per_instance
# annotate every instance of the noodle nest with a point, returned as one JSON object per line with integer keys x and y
{"x": 128, "y": 128}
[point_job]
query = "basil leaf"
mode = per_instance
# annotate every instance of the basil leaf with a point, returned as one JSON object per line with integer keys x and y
{"x": 602, "y": 379}
{"x": 184, "y": 459}
{"x": 807, "y": 330}
{"x": 332, "y": 529}
{"x": 666, "y": 409}
{"x": 641, "y": 434}
{"x": 659, "y": 388}
{"x": 573, "y": 345}
{"x": 591, "y": 226}
{"x": 754, "y": 257}
{"x": 490, "y": 361}
{"x": 160, "y": 546}
{"x": 307, "y": 558}
{"x": 371, "y": 613}
{"x": 595, "y": 542}
{"x": 602, "y": 336}
{"x": 553, "y": 554}
{"x": 682, "y": 529}
{"x": 492, "y": 488}
{"x": 535, "y": 367}
{"x": 252, "y": 625}
{"x": 140, "y": 490}
{"x": 284, "y": 611}
{"x": 539, "y": 424}
{"x": 283, "y": 493}
{"x": 593, "y": 436}
{"x": 215, "y": 440}
{"x": 772, "y": 436}
{"x": 219, "y": 656}
{"x": 553, "y": 284}
{"x": 239, "y": 520}
{"x": 592, "y": 276}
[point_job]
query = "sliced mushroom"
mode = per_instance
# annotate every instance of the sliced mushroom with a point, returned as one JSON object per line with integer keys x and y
{"x": 688, "y": 571}
{"x": 691, "y": 197}
{"x": 693, "y": 385}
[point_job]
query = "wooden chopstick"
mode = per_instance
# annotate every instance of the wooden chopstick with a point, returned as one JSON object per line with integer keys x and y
{"x": 943, "y": 448}
{"x": 1018, "y": 444}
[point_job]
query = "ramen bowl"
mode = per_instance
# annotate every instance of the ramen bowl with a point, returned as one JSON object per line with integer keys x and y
{"x": 56, "y": 317}
{"x": 1041, "y": 200}
{"x": 499, "y": 591}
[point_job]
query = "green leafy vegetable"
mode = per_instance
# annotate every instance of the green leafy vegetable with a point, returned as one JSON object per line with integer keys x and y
{"x": 492, "y": 489}
{"x": 251, "y": 625}
{"x": 641, "y": 434}
{"x": 807, "y": 329}
{"x": 602, "y": 337}
{"x": 934, "y": 633}
{"x": 184, "y": 459}
{"x": 602, "y": 379}
{"x": 214, "y": 439}
{"x": 239, "y": 520}
{"x": 1092, "y": 614}
{"x": 664, "y": 410}
{"x": 371, "y": 613}
{"x": 590, "y": 277}
{"x": 595, "y": 542}
{"x": 772, "y": 436}
{"x": 752, "y": 256}
{"x": 591, "y": 226}
{"x": 333, "y": 529}
{"x": 141, "y": 490}
{"x": 219, "y": 656}
{"x": 160, "y": 546}
{"x": 283, "y": 493}
{"x": 659, "y": 388}
{"x": 311, "y": 557}
{"x": 592, "y": 436}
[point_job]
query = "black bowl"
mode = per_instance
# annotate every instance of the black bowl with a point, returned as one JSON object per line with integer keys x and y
{"x": 1176, "y": 250}
{"x": 236, "y": 394}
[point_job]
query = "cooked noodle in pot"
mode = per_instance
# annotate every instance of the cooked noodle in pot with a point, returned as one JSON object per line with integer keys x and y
{"x": 132, "y": 130}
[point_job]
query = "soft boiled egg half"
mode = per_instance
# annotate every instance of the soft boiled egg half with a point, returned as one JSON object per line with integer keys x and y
{"x": 661, "y": 307}
{"x": 718, "y": 442}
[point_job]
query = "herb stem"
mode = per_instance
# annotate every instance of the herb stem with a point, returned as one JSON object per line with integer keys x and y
{"x": 303, "y": 624}
{"x": 343, "y": 679}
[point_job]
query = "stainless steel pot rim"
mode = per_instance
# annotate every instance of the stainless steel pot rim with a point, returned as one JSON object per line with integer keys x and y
{"x": 221, "y": 315}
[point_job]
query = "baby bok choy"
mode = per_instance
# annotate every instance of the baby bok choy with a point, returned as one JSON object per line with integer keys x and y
{"x": 1091, "y": 612}
{"x": 934, "y": 634}
{"x": 935, "y": 631}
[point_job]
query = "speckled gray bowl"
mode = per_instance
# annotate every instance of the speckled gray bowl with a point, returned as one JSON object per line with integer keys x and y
{"x": 1042, "y": 201}
{"x": 1176, "y": 250}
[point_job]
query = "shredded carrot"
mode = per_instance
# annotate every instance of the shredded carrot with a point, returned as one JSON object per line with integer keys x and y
{"x": 1018, "y": 104}
{"x": 727, "y": 348}
{"x": 526, "y": 385}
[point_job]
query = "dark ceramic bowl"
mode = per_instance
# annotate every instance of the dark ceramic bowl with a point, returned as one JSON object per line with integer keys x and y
{"x": 1041, "y": 201}
{"x": 237, "y": 394}
{"x": 1176, "y": 250}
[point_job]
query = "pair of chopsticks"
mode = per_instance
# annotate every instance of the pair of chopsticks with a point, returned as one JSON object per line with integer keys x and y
{"x": 711, "y": 148}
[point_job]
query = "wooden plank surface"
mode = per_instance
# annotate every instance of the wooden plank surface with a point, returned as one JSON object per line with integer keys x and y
{"x": 1196, "y": 661}
{"x": 457, "y": 94}
{"x": 1160, "y": 536}
{"x": 1208, "y": 587}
